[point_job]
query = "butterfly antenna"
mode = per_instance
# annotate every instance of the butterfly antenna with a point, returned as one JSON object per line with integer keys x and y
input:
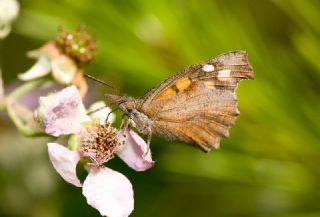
{"x": 105, "y": 106}
{"x": 97, "y": 80}
{"x": 117, "y": 102}
{"x": 96, "y": 110}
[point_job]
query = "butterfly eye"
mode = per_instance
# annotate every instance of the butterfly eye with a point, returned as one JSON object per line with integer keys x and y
{"x": 129, "y": 110}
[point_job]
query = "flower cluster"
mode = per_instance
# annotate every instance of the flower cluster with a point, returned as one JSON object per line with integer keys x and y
{"x": 95, "y": 140}
{"x": 92, "y": 140}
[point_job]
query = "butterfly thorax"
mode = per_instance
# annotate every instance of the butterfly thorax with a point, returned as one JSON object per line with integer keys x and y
{"x": 130, "y": 106}
{"x": 141, "y": 121}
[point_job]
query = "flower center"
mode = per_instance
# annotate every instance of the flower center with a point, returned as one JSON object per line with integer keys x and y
{"x": 99, "y": 143}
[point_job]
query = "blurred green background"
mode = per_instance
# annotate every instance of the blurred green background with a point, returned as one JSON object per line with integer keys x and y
{"x": 270, "y": 166}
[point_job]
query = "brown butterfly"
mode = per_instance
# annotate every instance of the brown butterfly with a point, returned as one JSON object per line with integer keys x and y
{"x": 196, "y": 105}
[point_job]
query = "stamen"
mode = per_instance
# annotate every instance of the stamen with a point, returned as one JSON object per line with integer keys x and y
{"x": 99, "y": 143}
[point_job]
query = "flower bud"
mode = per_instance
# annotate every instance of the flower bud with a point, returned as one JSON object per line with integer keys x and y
{"x": 78, "y": 45}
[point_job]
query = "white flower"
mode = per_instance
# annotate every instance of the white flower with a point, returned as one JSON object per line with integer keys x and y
{"x": 9, "y": 10}
{"x": 106, "y": 190}
{"x": 62, "y": 113}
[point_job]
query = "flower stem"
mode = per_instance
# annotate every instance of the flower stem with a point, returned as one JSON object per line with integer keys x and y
{"x": 1, "y": 79}
{"x": 1, "y": 88}
{"x": 20, "y": 115}
{"x": 18, "y": 92}
{"x": 23, "y": 89}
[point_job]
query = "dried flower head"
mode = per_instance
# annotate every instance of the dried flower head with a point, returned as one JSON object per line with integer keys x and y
{"x": 99, "y": 142}
{"x": 78, "y": 45}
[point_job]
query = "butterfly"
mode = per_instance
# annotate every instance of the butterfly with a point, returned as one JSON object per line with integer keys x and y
{"x": 196, "y": 105}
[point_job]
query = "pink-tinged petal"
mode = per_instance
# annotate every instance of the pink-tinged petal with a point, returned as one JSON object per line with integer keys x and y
{"x": 41, "y": 68}
{"x": 64, "y": 162}
{"x": 63, "y": 69}
{"x": 62, "y": 113}
{"x": 135, "y": 151}
{"x": 49, "y": 49}
{"x": 35, "y": 53}
{"x": 109, "y": 192}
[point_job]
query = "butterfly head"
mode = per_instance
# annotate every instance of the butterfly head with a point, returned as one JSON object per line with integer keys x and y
{"x": 125, "y": 103}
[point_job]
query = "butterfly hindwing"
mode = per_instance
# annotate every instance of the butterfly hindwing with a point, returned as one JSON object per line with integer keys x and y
{"x": 198, "y": 115}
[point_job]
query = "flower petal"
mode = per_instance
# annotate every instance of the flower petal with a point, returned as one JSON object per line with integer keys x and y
{"x": 62, "y": 113}
{"x": 109, "y": 192}
{"x": 135, "y": 151}
{"x": 64, "y": 162}
{"x": 41, "y": 68}
{"x": 63, "y": 69}
{"x": 9, "y": 10}
{"x": 49, "y": 49}
{"x": 102, "y": 114}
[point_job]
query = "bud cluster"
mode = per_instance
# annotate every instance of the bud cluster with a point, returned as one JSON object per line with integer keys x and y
{"x": 78, "y": 45}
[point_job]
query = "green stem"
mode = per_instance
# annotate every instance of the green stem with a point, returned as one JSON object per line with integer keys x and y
{"x": 1, "y": 88}
{"x": 1, "y": 79}
{"x": 19, "y": 92}
{"x": 20, "y": 115}
{"x": 25, "y": 88}
{"x": 23, "y": 120}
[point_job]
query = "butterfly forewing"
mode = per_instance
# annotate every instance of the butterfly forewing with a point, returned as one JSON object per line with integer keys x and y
{"x": 198, "y": 104}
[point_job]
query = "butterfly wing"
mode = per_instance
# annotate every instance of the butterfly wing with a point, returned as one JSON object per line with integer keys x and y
{"x": 198, "y": 104}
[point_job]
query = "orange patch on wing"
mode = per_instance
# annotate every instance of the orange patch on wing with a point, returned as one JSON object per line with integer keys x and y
{"x": 168, "y": 92}
{"x": 210, "y": 84}
{"x": 183, "y": 83}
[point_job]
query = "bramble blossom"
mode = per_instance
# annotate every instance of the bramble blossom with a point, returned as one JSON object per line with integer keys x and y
{"x": 93, "y": 139}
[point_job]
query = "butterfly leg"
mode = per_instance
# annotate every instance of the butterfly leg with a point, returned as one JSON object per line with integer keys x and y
{"x": 148, "y": 144}
{"x": 122, "y": 125}
{"x": 149, "y": 139}
{"x": 111, "y": 113}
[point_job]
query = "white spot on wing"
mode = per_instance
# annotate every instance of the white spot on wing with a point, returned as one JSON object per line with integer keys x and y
{"x": 224, "y": 75}
{"x": 208, "y": 68}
